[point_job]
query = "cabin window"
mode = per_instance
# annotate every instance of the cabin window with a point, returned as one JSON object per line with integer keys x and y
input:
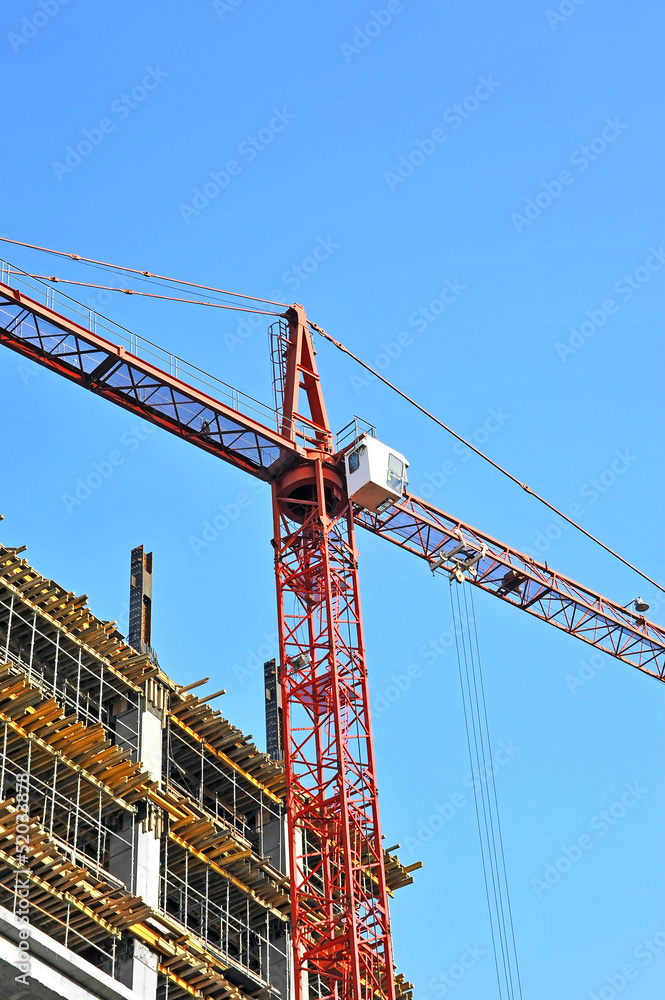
{"x": 354, "y": 459}
{"x": 395, "y": 473}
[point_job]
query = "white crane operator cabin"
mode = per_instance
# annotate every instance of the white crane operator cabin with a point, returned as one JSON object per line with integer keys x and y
{"x": 375, "y": 474}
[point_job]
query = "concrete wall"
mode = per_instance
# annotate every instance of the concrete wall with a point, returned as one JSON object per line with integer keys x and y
{"x": 55, "y": 971}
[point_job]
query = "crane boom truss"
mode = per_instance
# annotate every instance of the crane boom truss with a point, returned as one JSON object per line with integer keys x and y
{"x": 451, "y": 546}
{"x": 111, "y": 370}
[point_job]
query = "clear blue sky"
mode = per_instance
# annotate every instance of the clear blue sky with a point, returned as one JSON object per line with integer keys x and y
{"x": 529, "y": 207}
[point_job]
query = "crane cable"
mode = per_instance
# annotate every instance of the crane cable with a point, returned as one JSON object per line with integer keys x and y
{"x": 485, "y": 797}
{"x": 133, "y": 270}
{"x": 485, "y": 457}
{"x": 164, "y": 283}
{"x": 150, "y": 295}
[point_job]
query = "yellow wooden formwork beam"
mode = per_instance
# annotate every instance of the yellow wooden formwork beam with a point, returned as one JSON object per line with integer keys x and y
{"x": 66, "y": 627}
{"x": 66, "y": 896}
{"x": 75, "y": 768}
{"x": 215, "y": 865}
{"x": 226, "y": 760}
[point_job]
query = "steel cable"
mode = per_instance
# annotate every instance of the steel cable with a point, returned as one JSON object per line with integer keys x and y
{"x": 456, "y": 631}
{"x": 485, "y": 798}
{"x": 150, "y": 295}
{"x": 485, "y": 457}
{"x": 133, "y": 270}
{"x": 492, "y": 778}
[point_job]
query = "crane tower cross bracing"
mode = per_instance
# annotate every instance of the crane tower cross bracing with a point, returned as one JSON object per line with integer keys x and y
{"x": 341, "y": 926}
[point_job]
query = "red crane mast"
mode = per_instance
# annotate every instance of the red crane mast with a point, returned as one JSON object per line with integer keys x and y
{"x": 339, "y": 900}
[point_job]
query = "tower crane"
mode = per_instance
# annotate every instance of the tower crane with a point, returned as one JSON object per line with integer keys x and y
{"x": 320, "y": 494}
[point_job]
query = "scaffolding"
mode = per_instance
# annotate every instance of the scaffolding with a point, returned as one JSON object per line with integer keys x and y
{"x": 153, "y": 827}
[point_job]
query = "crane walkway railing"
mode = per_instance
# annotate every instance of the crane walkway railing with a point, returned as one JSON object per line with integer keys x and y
{"x": 88, "y": 318}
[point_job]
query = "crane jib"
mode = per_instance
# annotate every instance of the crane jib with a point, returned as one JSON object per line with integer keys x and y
{"x": 453, "y": 547}
{"x": 135, "y": 383}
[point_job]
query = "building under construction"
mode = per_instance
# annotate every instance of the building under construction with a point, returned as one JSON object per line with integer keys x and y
{"x": 142, "y": 835}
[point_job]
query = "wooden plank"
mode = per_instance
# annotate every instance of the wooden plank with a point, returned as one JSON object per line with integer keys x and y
{"x": 225, "y": 759}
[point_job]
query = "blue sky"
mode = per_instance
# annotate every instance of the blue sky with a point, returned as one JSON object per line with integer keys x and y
{"x": 503, "y": 260}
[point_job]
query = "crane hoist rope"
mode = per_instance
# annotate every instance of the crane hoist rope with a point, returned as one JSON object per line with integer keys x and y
{"x": 465, "y": 630}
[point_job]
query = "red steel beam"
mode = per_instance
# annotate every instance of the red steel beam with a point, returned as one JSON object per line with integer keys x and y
{"x": 449, "y": 545}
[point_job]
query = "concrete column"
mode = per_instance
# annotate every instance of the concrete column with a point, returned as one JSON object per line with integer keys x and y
{"x": 276, "y": 849}
{"x": 56, "y": 972}
{"x": 139, "y": 969}
{"x": 147, "y": 843}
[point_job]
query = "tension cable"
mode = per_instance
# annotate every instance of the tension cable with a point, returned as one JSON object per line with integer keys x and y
{"x": 484, "y": 793}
